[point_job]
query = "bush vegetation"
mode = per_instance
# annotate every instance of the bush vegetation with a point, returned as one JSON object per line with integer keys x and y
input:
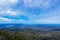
{"x": 29, "y": 35}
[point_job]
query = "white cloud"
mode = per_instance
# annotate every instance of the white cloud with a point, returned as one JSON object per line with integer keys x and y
{"x": 33, "y": 17}
{"x": 9, "y": 13}
{"x": 13, "y": 1}
{"x": 2, "y": 2}
{"x": 9, "y": 20}
{"x": 20, "y": 21}
{"x": 47, "y": 21}
{"x": 39, "y": 3}
{"x": 12, "y": 13}
{"x": 2, "y": 19}
{"x": 7, "y": 2}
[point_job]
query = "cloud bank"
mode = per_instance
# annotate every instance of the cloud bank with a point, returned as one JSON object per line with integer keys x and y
{"x": 18, "y": 11}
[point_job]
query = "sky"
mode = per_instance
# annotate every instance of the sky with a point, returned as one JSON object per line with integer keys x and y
{"x": 30, "y": 11}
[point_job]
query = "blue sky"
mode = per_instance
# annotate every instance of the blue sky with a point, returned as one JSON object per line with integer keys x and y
{"x": 30, "y": 11}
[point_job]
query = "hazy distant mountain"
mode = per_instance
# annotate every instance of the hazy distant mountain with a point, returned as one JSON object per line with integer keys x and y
{"x": 36, "y": 27}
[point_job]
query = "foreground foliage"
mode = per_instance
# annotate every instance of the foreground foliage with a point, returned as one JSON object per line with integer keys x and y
{"x": 29, "y": 35}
